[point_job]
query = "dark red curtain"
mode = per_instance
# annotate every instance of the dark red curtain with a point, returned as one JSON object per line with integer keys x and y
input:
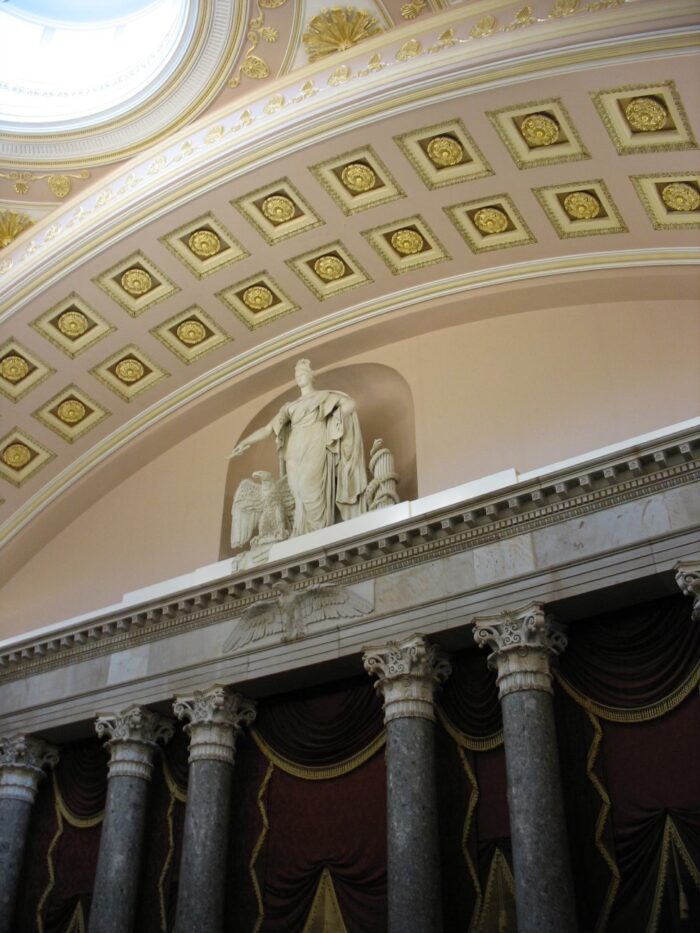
{"x": 628, "y": 736}
{"x": 472, "y": 803}
{"x": 61, "y": 857}
{"x": 634, "y": 657}
{"x": 287, "y": 828}
{"x": 163, "y": 838}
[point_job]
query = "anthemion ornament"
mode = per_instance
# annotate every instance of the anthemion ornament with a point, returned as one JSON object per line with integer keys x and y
{"x": 490, "y": 220}
{"x": 680, "y": 196}
{"x": 204, "y": 243}
{"x": 59, "y": 185}
{"x": 580, "y": 205}
{"x": 444, "y": 151}
{"x": 538, "y": 129}
{"x": 191, "y": 332}
{"x": 329, "y": 268}
{"x": 11, "y": 225}
{"x": 136, "y": 282}
{"x": 257, "y": 298}
{"x": 646, "y": 115}
{"x": 336, "y": 30}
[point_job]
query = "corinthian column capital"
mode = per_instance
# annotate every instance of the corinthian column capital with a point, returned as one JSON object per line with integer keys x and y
{"x": 22, "y": 760}
{"x": 522, "y": 644}
{"x": 688, "y": 579}
{"x": 407, "y": 672}
{"x": 133, "y": 734}
{"x": 215, "y": 718}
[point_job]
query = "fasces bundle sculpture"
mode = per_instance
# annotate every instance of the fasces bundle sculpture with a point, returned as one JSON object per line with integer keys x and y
{"x": 323, "y": 477}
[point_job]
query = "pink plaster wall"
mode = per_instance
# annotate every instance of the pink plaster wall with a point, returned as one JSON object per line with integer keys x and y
{"x": 520, "y": 390}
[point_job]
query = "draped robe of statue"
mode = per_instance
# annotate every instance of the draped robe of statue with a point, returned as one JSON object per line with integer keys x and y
{"x": 322, "y": 454}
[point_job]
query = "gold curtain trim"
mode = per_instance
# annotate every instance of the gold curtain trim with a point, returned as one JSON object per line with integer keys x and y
{"x": 166, "y": 864}
{"x": 62, "y": 813}
{"x": 499, "y": 867}
{"x": 635, "y": 714}
{"x": 671, "y": 837}
{"x": 258, "y": 846}
{"x": 77, "y": 921}
{"x": 603, "y": 814}
{"x": 49, "y": 856}
{"x": 466, "y": 830}
{"x": 472, "y": 742}
{"x": 78, "y": 821}
{"x": 173, "y": 787}
{"x": 318, "y": 774}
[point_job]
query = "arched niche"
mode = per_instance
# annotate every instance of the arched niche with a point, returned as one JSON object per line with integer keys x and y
{"x": 385, "y": 409}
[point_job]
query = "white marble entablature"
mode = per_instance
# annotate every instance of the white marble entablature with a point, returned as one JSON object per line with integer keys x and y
{"x": 607, "y": 520}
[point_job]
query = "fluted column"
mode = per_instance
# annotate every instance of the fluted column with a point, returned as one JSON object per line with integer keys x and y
{"x": 408, "y": 673}
{"x": 133, "y": 735}
{"x": 522, "y": 645}
{"x": 22, "y": 760}
{"x": 215, "y": 718}
{"x": 688, "y": 579}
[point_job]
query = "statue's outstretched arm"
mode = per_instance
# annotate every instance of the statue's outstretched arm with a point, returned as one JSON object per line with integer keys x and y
{"x": 253, "y": 438}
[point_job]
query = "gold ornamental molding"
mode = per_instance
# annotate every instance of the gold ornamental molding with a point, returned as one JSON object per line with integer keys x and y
{"x": 402, "y": 63}
{"x": 298, "y": 338}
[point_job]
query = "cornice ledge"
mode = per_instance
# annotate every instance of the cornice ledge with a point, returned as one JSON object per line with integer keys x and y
{"x": 594, "y": 485}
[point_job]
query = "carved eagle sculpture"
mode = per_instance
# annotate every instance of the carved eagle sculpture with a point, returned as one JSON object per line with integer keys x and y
{"x": 261, "y": 512}
{"x": 290, "y": 612}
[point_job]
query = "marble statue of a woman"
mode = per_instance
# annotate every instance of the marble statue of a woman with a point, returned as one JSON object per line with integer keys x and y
{"x": 321, "y": 453}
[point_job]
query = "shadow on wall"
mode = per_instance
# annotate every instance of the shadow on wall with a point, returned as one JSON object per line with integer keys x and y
{"x": 385, "y": 409}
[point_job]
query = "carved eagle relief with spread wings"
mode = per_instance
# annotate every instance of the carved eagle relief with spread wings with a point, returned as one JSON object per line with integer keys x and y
{"x": 290, "y": 612}
{"x": 262, "y": 513}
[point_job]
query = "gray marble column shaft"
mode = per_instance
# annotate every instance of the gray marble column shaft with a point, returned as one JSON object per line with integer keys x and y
{"x": 408, "y": 673}
{"x": 215, "y": 718}
{"x": 21, "y": 761}
{"x": 134, "y": 733}
{"x": 523, "y": 643}
{"x": 413, "y": 853}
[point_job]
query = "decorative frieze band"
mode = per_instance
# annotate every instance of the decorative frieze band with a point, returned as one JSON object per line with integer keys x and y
{"x": 22, "y": 760}
{"x": 215, "y": 718}
{"x": 133, "y": 735}
{"x": 688, "y": 579}
{"x": 407, "y": 674}
{"x": 560, "y": 497}
{"x": 522, "y": 644}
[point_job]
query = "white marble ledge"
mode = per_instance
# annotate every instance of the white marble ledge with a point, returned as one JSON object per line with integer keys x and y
{"x": 506, "y": 481}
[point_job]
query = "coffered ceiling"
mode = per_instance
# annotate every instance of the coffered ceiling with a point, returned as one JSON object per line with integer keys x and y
{"x": 469, "y": 148}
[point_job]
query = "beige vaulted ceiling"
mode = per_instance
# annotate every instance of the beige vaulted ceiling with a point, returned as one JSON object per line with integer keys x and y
{"x": 439, "y": 159}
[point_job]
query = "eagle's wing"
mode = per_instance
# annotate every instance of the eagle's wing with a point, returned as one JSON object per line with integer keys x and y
{"x": 245, "y": 512}
{"x": 260, "y": 621}
{"x": 326, "y": 601}
{"x": 284, "y": 493}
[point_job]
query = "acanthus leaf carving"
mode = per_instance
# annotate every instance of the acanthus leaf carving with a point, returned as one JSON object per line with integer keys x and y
{"x": 523, "y": 643}
{"x": 407, "y": 674}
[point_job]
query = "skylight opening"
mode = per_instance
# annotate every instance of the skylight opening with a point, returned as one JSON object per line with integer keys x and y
{"x": 71, "y": 64}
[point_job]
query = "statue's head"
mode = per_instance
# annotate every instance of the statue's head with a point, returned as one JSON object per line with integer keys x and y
{"x": 303, "y": 373}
